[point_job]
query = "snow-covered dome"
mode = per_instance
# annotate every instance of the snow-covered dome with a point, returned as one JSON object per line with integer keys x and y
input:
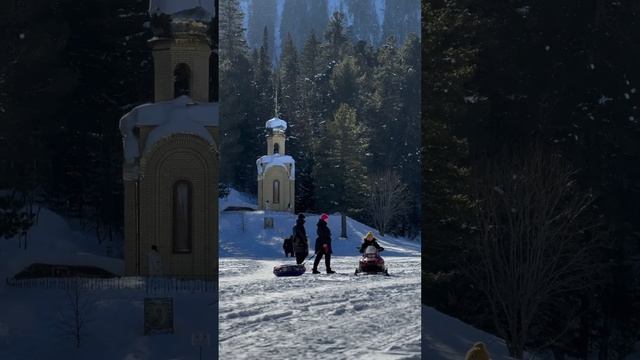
{"x": 276, "y": 124}
{"x": 265, "y": 162}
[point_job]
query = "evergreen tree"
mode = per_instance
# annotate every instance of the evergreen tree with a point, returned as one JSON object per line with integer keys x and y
{"x": 386, "y": 104}
{"x": 345, "y": 81}
{"x": 340, "y": 173}
{"x": 262, "y": 14}
{"x": 336, "y": 39}
{"x": 237, "y": 105}
{"x": 289, "y": 73}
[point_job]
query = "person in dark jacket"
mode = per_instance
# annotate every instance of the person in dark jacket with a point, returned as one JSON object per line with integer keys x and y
{"x": 323, "y": 245}
{"x": 369, "y": 240}
{"x": 300, "y": 241}
{"x": 288, "y": 247}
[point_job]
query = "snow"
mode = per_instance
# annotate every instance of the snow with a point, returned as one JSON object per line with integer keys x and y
{"x": 276, "y": 124}
{"x": 177, "y": 126}
{"x": 447, "y": 338}
{"x": 319, "y": 316}
{"x": 50, "y": 240}
{"x": 244, "y": 7}
{"x": 339, "y": 316}
{"x": 261, "y": 316}
{"x": 333, "y": 6}
{"x": 29, "y": 320}
{"x": 267, "y": 161}
{"x": 171, "y": 7}
{"x": 380, "y": 6}
{"x": 277, "y": 32}
{"x": 178, "y": 116}
{"x": 237, "y": 199}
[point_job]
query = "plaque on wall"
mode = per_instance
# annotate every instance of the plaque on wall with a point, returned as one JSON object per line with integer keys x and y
{"x": 158, "y": 316}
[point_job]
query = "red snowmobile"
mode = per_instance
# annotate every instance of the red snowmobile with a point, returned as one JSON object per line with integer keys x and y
{"x": 371, "y": 262}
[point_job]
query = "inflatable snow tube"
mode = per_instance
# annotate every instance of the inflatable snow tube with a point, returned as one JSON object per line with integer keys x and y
{"x": 288, "y": 270}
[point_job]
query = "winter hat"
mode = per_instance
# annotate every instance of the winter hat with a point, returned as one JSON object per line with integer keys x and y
{"x": 324, "y": 217}
{"x": 369, "y": 235}
{"x": 301, "y": 216}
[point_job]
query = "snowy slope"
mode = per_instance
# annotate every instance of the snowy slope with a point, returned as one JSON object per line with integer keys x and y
{"x": 30, "y": 322}
{"x": 447, "y": 338}
{"x": 53, "y": 241}
{"x": 242, "y": 233}
{"x": 313, "y": 316}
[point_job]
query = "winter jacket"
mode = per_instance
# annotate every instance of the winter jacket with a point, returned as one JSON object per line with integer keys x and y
{"x": 300, "y": 242}
{"x": 366, "y": 244}
{"x": 288, "y": 245}
{"x": 324, "y": 237}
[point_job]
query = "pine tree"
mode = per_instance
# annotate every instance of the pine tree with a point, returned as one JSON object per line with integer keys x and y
{"x": 345, "y": 81}
{"x": 446, "y": 209}
{"x": 385, "y": 106}
{"x": 336, "y": 39}
{"x": 238, "y": 104}
{"x": 262, "y": 14}
{"x": 288, "y": 74}
{"x": 340, "y": 173}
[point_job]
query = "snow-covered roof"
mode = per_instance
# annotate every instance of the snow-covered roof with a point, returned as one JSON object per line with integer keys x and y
{"x": 276, "y": 124}
{"x": 265, "y": 162}
{"x": 177, "y": 126}
{"x": 198, "y": 14}
{"x": 173, "y": 7}
{"x": 178, "y": 116}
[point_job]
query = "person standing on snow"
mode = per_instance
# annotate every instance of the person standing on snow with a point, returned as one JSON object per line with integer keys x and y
{"x": 288, "y": 247}
{"x": 323, "y": 245}
{"x": 300, "y": 242}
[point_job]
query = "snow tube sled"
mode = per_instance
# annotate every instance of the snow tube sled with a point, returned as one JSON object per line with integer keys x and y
{"x": 289, "y": 270}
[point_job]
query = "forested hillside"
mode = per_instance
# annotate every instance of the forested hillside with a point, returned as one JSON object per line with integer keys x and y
{"x": 353, "y": 112}
{"x": 370, "y": 20}
{"x": 531, "y": 109}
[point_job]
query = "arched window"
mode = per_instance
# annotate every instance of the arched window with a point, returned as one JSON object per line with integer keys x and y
{"x": 276, "y": 192}
{"x": 182, "y": 80}
{"x": 276, "y": 148}
{"x": 182, "y": 217}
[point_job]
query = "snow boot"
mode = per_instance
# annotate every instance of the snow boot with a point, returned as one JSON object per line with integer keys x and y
{"x": 329, "y": 271}
{"x": 315, "y": 271}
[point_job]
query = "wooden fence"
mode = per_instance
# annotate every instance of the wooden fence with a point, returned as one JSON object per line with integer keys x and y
{"x": 151, "y": 285}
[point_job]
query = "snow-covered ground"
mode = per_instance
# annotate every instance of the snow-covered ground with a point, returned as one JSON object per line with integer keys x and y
{"x": 337, "y": 316}
{"x": 319, "y": 316}
{"x": 30, "y": 325}
{"x": 447, "y": 338}
{"x": 323, "y": 316}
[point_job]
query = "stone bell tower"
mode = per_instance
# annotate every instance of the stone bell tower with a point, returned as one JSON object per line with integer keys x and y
{"x": 181, "y": 66}
{"x": 171, "y": 157}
